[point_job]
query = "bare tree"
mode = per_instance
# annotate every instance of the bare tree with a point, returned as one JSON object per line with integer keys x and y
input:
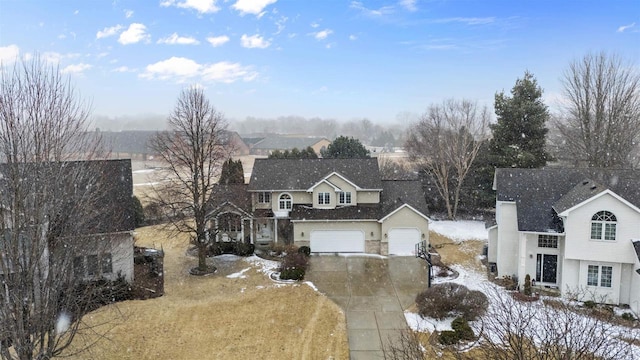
{"x": 47, "y": 204}
{"x": 553, "y": 330}
{"x": 194, "y": 149}
{"x": 445, "y": 142}
{"x": 601, "y": 122}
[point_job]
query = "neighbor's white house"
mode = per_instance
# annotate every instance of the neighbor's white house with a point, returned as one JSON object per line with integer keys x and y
{"x": 577, "y": 230}
{"x": 330, "y": 205}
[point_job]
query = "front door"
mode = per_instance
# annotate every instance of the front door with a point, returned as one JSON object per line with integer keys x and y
{"x": 547, "y": 268}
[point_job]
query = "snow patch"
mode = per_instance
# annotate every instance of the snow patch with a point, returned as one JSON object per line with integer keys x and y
{"x": 461, "y": 230}
{"x": 143, "y": 171}
{"x": 311, "y": 285}
{"x": 239, "y": 275}
{"x": 376, "y": 256}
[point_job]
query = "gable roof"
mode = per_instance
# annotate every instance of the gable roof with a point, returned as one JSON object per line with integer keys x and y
{"x": 287, "y": 142}
{"x": 537, "y": 192}
{"x": 233, "y": 194}
{"x": 95, "y": 196}
{"x": 302, "y": 174}
{"x": 580, "y": 193}
{"x": 396, "y": 193}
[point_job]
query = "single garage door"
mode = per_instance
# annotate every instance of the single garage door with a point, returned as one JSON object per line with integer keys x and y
{"x": 402, "y": 241}
{"x": 337, "y": 241}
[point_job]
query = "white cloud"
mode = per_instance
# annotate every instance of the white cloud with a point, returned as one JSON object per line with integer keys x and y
{"x": 201, "y": 6}
{"x": 384, "y": 10}
{"x": 409, "y": 4}
{"x": 174, "y": 39}
{"x": 216, "y": 41}
{"x": 9, "y": 54}
{"x": 280, "y": 24}
{"x": 76, "y": 68}
{"x": 321, "y": 35}
{"x": 55, "y": 57}
{"x": 108, "y": 31}
{"x": 353, "y": 37}
{"x": 76, "y": 12}
{"x": 623, "y": 28}
{"x": 128, "y": 13}
{"x": 254, "y": 7}
{"x": 254, "y": 41}
{"x": 468, "y": 21}
{"x": 134, "y": 34}
{"x": 182, "y": 69}
{"x": 314, "y": 25}
{"x": 123, "y": 69}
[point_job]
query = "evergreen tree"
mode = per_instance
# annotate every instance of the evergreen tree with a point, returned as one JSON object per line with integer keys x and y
{"x": 519, "y": 136}
{"x": 345, "y": 147}
{"x": 295, "y": 153}
{"x": 232, "y": 172}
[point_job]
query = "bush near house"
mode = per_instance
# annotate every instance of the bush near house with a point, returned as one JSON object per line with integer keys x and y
{"x": 294, "y": 266}
{"x": 450, "y": 299}
{"x": 231, "y": 247}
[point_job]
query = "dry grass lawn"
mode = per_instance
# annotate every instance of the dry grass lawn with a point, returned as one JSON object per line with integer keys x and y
{"x": 464, "y": 253}
{"x": 216, "y": 317}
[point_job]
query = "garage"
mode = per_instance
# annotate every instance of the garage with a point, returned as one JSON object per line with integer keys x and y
{"x": 402, "y": 241}
{"x": 337, "y": 241}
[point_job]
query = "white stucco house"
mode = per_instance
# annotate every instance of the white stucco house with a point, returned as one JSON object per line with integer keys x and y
{"x": 330, "y": 205}
{"x": 576, "y": 230}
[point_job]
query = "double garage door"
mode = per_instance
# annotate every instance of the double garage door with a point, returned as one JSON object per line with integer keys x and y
{"x": 402, "y": 241}
{"x": 337, "y": 241}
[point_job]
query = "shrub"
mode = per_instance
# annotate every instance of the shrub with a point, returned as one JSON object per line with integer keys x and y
{"x": 294, "y": 266}
{"x": 281, "y": 249}
{"x": 462, "y": 328}
{"x": 305, "y": 250}
{"x": 589, "y": 304}
{"x": 523, "y": 297}
{"x": 449, "y": 299}
{"x": 628, "y": 316}
{"x": 243, "y": 249}
{"x": 448, "y": 337}
{"x": 527, "y": 285}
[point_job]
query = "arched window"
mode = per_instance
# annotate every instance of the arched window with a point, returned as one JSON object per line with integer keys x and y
{"x": 603, "y": 226}
{"x": 284, "y": 202}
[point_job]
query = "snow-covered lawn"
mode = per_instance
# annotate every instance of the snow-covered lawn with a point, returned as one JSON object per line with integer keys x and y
{"x": 460, "y": 231}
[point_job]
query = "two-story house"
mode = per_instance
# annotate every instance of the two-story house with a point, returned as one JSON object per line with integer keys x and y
{"x": 576, "y": 230}
{"x": 330, "y": 205}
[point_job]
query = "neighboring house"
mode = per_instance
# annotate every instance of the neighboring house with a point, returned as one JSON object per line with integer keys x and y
{"x": 289, "y": 142}
{"x": 330, "y": 205}
{"x": 136, "y": 144}
{"x": 101, "y": 238}
{"x": 570, "y": 229}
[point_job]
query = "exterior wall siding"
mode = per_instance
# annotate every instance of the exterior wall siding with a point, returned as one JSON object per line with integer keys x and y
{"x": 324, "y": 188}
{"x": 578, "y": 229}
{"x": 508, "y": 251}
{"x": 368, "y": 197}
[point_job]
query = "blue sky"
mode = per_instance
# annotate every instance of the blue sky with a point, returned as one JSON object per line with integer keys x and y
{"x": 331, "y": 59}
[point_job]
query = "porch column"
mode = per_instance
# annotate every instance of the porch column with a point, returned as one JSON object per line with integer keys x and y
{"x": 251, "y": 229}
{"x": 275, "y": 230}
{"x": 242, "y": 228}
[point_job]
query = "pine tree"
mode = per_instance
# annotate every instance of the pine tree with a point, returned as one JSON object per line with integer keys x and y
{"x": 232, "y": 172}
{"x": 519, "y": 136}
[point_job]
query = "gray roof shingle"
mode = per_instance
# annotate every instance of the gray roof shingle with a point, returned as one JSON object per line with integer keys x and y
{"x": 398, "y": 192}
{"x": 302, "y": 174}
{"x": 537, "y": 191}
{"x": 360, "y": 212}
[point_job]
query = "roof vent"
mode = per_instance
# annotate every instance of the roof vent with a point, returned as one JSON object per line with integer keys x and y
{"x": 585, "y": 182}
{"x": 593, "y": 187}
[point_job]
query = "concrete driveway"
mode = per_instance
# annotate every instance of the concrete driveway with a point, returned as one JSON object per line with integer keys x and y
{"x": 373, "y": 292}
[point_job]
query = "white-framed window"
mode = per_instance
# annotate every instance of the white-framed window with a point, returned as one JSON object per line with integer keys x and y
{"x": 599, "y": 275}
{"x": 93, "y": 266}
{"x": 285, "y": 202}
{"x": 603, "y": 226}
{"x": 344, "y": 197}
{"x": 264, "y": 197}
{"x": 324, "y": 198}
{"x": 548, "y": 241}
